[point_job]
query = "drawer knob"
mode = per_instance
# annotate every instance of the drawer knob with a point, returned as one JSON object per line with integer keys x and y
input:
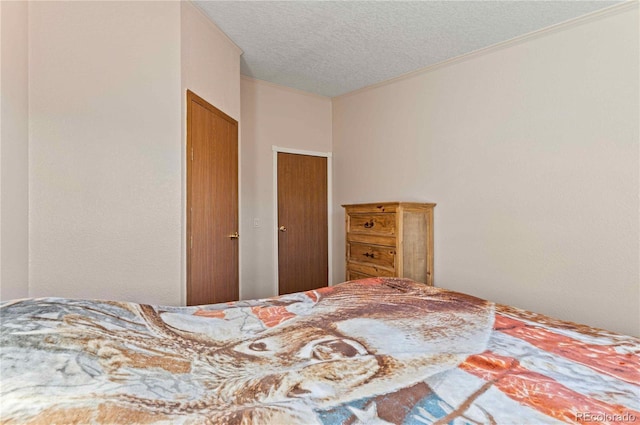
{"x": 369, "y": 255}
{"x": 369, "y": 224}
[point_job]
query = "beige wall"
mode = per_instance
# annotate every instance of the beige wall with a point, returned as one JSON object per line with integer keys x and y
{"x": 105, "y": 150}
{"x": 14, "y": 154}
{"x": 271, "y": 116}
{"x": 530, "y": 152}
{"x": 210, "y": 66}
{"x": 210, "y": 61}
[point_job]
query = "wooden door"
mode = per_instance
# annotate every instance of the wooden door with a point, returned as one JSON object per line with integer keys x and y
{"x": 303, "y": 261}
{"x": 212, "y": 204}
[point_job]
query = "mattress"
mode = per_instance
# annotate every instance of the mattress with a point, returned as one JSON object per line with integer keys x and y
{"x": 374, "y": 351}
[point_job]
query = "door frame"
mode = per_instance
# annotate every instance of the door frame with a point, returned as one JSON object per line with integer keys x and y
{"x": 328, "y": 155}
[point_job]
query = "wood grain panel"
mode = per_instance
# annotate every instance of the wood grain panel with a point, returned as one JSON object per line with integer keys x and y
{"x": 381, "y": 256}
{"x": 369, "y": 270}
{"x": 212, "y": 204}
{"x": 351, "y": 275}
{"x": 372, "y": 224}
{"x": 372, "y": 239}
{"x": 415, "y": 245}
{"x": 303, "y": 260}
{"x": 372, "y": 208}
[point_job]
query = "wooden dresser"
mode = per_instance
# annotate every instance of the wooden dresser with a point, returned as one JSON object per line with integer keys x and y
{"x": 390, "y": 239}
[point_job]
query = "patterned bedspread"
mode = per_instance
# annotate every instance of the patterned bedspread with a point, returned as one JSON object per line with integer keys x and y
{"x": 375, "y": 351}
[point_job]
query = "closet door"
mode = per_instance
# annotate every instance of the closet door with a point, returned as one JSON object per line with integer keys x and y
{"x": 212, "y": 204}
{"x": 303, "y": 260}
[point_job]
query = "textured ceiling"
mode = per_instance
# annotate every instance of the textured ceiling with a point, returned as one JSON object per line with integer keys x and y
{"x": 334, "y": 47}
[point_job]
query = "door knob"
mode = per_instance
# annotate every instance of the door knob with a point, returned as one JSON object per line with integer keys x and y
{"x": 282, "y": 229}
{"x": 234, "y": 235}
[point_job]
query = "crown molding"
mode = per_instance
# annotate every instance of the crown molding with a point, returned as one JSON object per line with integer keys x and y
{"x": 212, "y": 24}
{"x": 285, "y": 88}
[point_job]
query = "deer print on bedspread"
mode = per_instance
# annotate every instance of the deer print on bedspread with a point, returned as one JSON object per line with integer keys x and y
{"x": 375, "y": 351}
{"x": 280, "y": 360}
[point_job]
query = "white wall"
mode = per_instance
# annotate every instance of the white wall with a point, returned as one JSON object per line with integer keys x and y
{"x": 530, "y": 152}
{"x": 105, "y": 150}
{"x": 14, "y": 137}
{"x": 272, "y": 115}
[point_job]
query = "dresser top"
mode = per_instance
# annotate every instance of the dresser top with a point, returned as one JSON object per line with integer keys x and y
{"x": 390, "y": 205}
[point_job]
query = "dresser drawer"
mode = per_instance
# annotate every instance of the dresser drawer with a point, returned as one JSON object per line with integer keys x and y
{"x": 372, "y": 224}
{"x": 383, "y": 256}
{"x": 351, "y": 275}
{"x": 369, "y": 270}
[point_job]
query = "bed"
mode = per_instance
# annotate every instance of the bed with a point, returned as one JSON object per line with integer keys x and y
{"x": 374, "y": 351}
